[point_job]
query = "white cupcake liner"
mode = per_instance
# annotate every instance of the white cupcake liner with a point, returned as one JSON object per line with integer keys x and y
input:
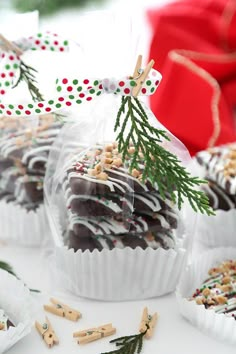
{"x": 22, "y": 227}
{"x": 118, "y": 274}
{"x": 217, "y": 325}
{"x": 218, "y": 230}
{"x": 15, "y": 300}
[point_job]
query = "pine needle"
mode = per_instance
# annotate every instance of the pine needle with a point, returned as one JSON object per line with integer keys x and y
{"x": 162, "y": 168}
{"x": 128, "y": 345}
{"x": 8, "y": 268}
{"x": 27, "y": 74}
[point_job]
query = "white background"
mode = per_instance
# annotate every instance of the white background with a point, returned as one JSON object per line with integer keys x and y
{"x": 173, "y": 334}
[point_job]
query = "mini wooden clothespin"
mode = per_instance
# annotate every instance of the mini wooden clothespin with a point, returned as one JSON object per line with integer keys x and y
{"x": 7, "y": 45}
{"x": 47, "y": 333}
{"x": 140, "y": 75}
{"x": 91, "y": 334}
{"x": 62, "y": 310}
{"x": 149, "y": 322}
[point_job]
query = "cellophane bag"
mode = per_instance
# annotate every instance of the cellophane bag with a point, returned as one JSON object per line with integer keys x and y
{"x": 112, "y": 184}
{"x": 206, "y": 292}
{"x": 25, "y": 139}
{"x": 24, "y": 147}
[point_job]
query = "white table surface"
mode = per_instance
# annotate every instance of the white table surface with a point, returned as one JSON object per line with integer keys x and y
{"x": 173, "y": 334}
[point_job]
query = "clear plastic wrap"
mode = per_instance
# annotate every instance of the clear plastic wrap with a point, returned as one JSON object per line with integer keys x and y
{"x": 213, "y": 310}
{"x": 106, "y": 216}
{"x": 24, "y": 150}
{"x": 17, "y": 304}
{"x": 218, "y": 294}
{"x": 25, "y": 140}
{"x": 217, "y": 166}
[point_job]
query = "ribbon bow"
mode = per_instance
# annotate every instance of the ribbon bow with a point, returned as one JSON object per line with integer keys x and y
{"x": 10, "y": 52}
{"x": 77, "y": 91}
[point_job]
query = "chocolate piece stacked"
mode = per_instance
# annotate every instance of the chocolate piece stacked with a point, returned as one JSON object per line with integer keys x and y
{"x": 23, "y": 156}
{"x": 218, "y": 291}
{"x": 219, "y": 165}
{"x": 109, "y": 207}
{"x": 5, "y": 323}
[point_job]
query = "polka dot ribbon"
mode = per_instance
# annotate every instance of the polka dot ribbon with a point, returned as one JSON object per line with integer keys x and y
{"x": 75, "y": 91}
{"x": 10, "y": 62}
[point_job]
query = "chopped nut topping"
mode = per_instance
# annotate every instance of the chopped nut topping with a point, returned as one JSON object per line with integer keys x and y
{"x": 109, "y": 147}
{"x": 131, "y": 150}
{"x": 103, "y": 176}
{"x": 108, "y": 154}
{"x": 199, "y": 301}
{"x": 206, "y": 292}
{"x": 221, "y": 300}
{"x": 135, "y": 173}
{"x": 115, "y": 152}
{"x": 98, "y": 168}
{"x": 117, "y": 162}
{"x": 226, "y": 280}
{"x": 92, "y": 172}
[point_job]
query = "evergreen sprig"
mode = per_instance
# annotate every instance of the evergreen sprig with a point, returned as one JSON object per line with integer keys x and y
{"x": 8, "y": 268}
{"x": 128, "y": 344}
{"x": 27, "y": 74}
{"x": 162, "y": 168}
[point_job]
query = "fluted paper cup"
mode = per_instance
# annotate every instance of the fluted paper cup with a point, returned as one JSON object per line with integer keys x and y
{"x": 22, "y": 227}
{"x": 118, "y": 274}
{"x": 217, "y": 325}
{"x": 15, "y": 300}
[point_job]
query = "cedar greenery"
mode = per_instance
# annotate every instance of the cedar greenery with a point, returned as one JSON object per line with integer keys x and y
{"x": 46, "y": 7}
{"x": 128, "y": 344}
{"x": 8, "y": 268}
{"x": 27, "y": 74}
{"x": 162, "y": 168}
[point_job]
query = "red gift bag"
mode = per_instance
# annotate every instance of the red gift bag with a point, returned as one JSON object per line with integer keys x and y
{"x": 194, "y": 44}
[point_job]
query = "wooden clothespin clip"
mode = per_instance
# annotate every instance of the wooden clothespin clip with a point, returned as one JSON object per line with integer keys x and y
{"x": 140, "y": 75}
{"x": 62, "y": 310}
{"x": 149, "y": 322}
{"x": 7, "y": 45}
{"x": 91, "y": 334}
{"x": 47, "y": 333}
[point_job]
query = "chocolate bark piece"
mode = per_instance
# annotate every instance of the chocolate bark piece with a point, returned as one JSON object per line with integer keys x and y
{"x": 83, "y": 243}
{"x": 5, "y": 322}
{"x": 9, "y": 178}
{"x": 132, "y": 240}
{"x": 29, "y": 189}
{"x": 110, "y": 205}
{"x": 31, "y": 147}
{"x": 82, "y": 183}
{"x": 4, "y": 164}
{"x": 218, "y": 291}
{"x": 220, "y": 166}
{"x": 95, "y": 226}
{"x": 92, "y": 226}
{"x": 218, "y": 198}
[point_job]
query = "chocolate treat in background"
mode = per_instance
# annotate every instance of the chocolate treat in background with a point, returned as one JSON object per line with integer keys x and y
{"x": 23, "y": 157}
{"x": 219, "y": 166}
{"x": 218, "y": 291}
{"x": 5, "y": 323}
{"x": 108, "y": 207}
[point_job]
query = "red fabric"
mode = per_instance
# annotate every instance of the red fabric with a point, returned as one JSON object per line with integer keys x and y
{"x": 194, "y": 47}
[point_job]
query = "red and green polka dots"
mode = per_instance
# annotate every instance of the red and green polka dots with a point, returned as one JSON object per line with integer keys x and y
{"x": 48, "y": 41}
{"x": 77, "y": 91}
{"x": 10, "y": 62}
